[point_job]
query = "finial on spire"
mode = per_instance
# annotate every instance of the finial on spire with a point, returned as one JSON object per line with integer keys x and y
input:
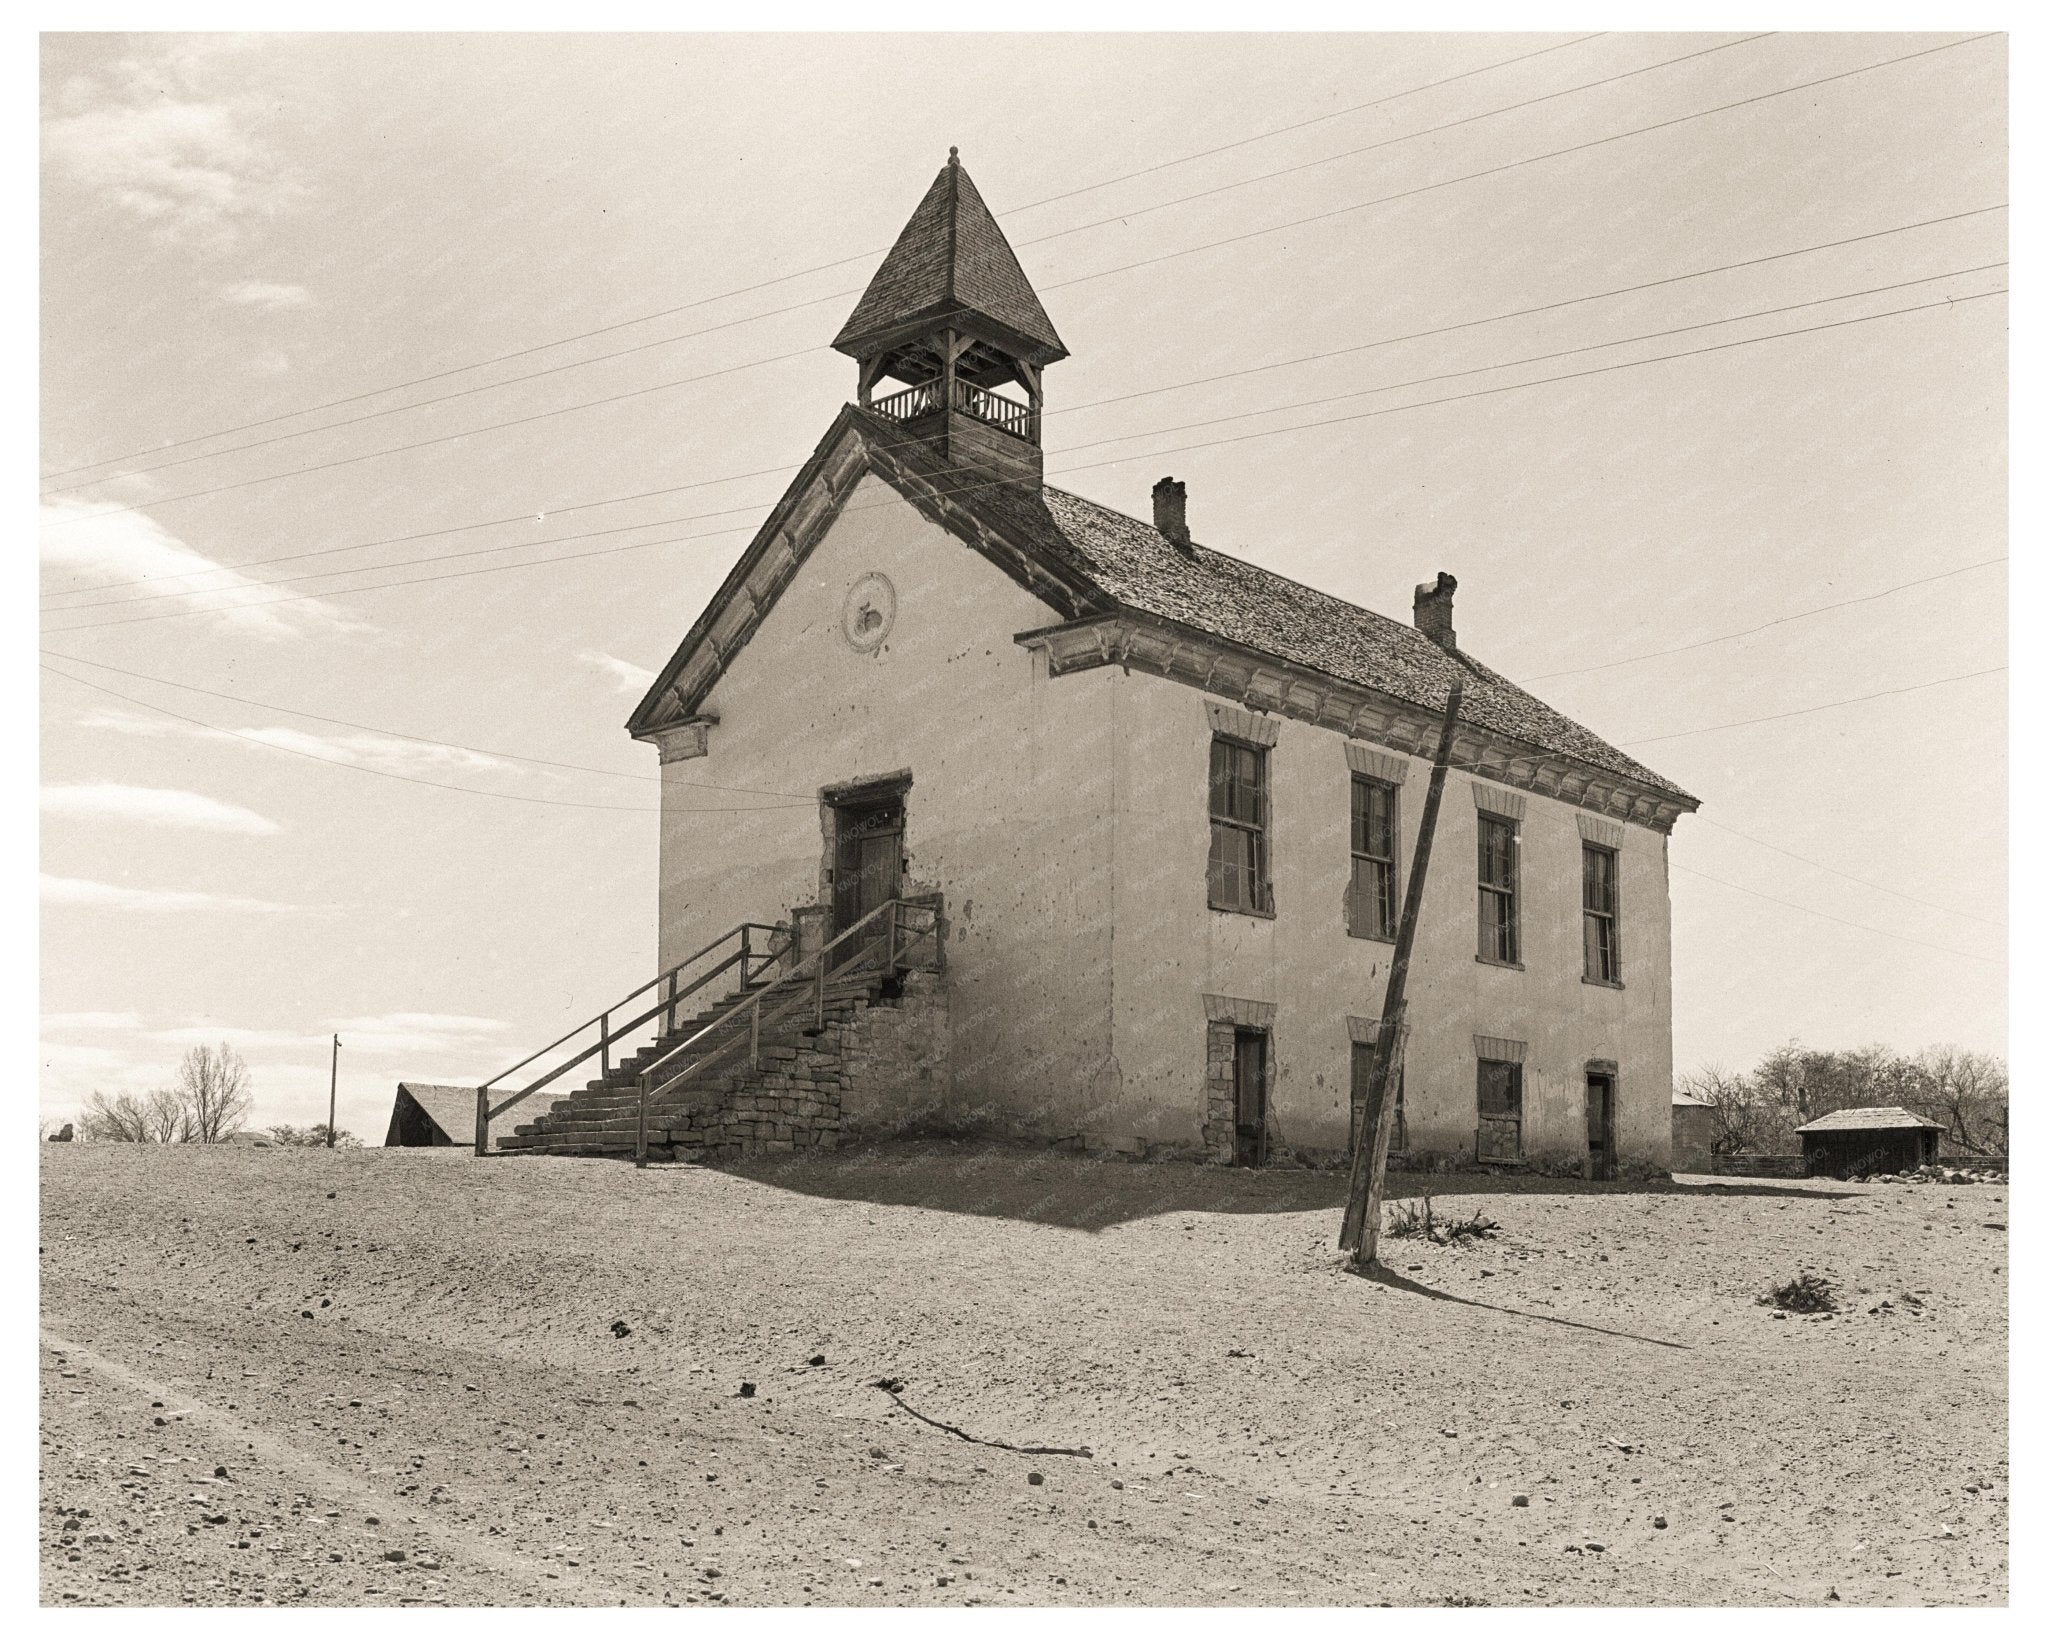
{"x": 952, "y": 156}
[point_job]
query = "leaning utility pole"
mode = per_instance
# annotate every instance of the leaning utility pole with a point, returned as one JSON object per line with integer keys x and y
{"x": 1361, "y": 1233}
{"x": 333, "y": 1073}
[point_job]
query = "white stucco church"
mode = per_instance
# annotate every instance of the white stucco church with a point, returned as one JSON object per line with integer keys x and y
{"x": 1166, "y": 799}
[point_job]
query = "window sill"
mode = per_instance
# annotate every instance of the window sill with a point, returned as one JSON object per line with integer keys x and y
{"x": 1243, "y": 910}
{"x": 1376, "y": 938}
{"x": 1602, "y": 984}
{"x": 1489, "y": 961}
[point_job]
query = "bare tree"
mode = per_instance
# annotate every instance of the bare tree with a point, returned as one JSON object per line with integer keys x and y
{"x": 120, "y": 1119}
{"x": 315, "y": 1137}
{"x": 1969, "y": 1092}
{"x": 168, "y": 1117}
{"x": 213, "y": 1084}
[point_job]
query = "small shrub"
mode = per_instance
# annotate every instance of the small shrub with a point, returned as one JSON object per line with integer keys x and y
{"x": 1406, "y": 1222}
{"x": 1808, "y": 1294}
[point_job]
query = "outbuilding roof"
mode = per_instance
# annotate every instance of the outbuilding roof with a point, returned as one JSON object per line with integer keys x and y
{"x": 1867, "y": 1118}
{"x": 1687, "y": 1101}
{"x": 453, "y": 1110}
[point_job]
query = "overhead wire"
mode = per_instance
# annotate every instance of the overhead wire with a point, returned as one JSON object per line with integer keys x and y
{"x": 1069, "y": 409}
{"x": 1882, "y": 933}
{"x": 1808, "y": 711}
{"x": 1350, "y": 393}
{"x": 409, "y": 779}
{"x": 1751, "y": 631}
{"x": 423, "y": 739}
{"x": 638, "y": 392}
{"x": 1237, "y": 438}
{"x": 785, "y": 278}
{"x": 1860, "y": 881}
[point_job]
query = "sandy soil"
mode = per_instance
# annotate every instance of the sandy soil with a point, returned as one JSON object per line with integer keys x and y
{"x": 408, "y": 1377}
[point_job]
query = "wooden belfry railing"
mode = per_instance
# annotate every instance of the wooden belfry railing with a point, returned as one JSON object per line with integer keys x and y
{"x": 967, "y": 398}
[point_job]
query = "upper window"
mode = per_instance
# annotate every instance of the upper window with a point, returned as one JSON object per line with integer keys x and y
{"x": 1239, "y": 865}
{"x": 1500, "y": 937}
{"x": 1602, "y": 898}
{"x": 1371, "y": 906}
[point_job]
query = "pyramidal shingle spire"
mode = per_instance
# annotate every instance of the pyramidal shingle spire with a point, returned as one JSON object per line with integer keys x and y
{"x": 951, "y": 262}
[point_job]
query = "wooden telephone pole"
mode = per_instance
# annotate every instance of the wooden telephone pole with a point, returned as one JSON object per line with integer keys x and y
{"x": 333, "y": 1074}
{"x": 1361, "y": 1232}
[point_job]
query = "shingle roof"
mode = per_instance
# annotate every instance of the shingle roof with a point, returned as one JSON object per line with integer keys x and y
{"x": 1866, "y": 1119}
{"x": 1227, "y": 597}
{"x": 453, "y": 1110}
{"x": 951, "y": 256}
{"x": 1688, "y": 1102}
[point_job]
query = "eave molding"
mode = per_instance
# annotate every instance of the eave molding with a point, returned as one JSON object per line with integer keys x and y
{"x": 1262, "y": 683}
{"x": 849, "y": 452}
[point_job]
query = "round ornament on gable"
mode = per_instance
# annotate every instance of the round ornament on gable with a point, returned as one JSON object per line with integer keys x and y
{"x": 869, "y": 614}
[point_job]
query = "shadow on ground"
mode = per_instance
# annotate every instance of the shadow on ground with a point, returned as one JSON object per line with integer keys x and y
{"x": 1035, "y": 1185}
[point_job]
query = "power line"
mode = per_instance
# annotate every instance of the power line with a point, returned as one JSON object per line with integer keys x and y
{"x": 1360, "y": 392}
{"x": 1862, "y": 882}
{"x": 784, "y": 278}
{"x": 806, "y": 352}
{"x": 639, "y": 392}
{"x": 1516, "y": 164}
{"x": 728, "y": 324}
{"x": 1751, "y": 631}
{"x": 422, "y": 739}
{"x": 1865, "y": 927}
{"x": 1808, "y": 711}
{"x": 1238, "y": 438}
{"x": 1419, "y": 335}
{"x": 388, "y": 774}
{"x": 1544, "y": 358}
{"x": 1388, "y": 142}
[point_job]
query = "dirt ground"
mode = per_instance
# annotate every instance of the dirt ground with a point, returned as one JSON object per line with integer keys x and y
{"x": 409, "y": 1377}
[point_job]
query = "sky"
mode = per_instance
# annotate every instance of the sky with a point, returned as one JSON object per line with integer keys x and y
{"x": 328, "y": 311}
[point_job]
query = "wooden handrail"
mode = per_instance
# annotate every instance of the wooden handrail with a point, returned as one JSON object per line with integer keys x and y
{"x": 743, "y": 957}
{"x": 788, "y": 991}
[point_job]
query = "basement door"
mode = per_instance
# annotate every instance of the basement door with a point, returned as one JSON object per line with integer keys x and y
{"x": 1599, "y": 1124}
{"x": 867, "y": 864}
{"x": 1249, "y": 1076}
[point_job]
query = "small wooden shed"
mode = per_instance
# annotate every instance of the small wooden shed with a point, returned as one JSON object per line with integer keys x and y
{"x": 1879, "y": 1138}
{"x": 1692, "y": 1134}
{"x": 433, "y": 1115}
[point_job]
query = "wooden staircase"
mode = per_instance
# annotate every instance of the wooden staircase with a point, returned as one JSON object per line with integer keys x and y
{"x": 603, "y": 1117}
{"x": 761, "y": 1067}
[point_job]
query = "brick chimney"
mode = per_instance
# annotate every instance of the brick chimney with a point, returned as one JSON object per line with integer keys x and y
{"x": 1170, "y": 511}
{"x": 1433, "y": 610}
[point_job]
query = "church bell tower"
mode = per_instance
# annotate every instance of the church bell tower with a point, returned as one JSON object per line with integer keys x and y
{"x": 951, "y": 340}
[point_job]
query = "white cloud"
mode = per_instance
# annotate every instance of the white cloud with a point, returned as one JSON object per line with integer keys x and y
{"x": 626, "y": 677}
{"x": 363, "y": 750}
{"x": 151, "y": 137}
{"x": 148, "y": 805}
{"x": 78, "y": 891}
{"x": 239, "y": 1037}
{"x": 63, "y": 1023}
{"x": 271, "y": 298}
{"x": 101, "y": 548}
{"x": 419, "y": 1033}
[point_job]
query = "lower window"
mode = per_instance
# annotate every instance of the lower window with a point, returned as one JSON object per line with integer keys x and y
{"x": 1500, "y": 1110}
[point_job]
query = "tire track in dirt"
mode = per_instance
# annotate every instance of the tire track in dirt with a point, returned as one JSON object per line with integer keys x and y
{"x": 332, "y": 1483}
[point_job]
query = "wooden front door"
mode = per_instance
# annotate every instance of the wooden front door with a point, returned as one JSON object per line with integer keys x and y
{"x": 1599, "y": 1124}
{"x": 867, "y": 866}
{"x": 1249, "y": 1064}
